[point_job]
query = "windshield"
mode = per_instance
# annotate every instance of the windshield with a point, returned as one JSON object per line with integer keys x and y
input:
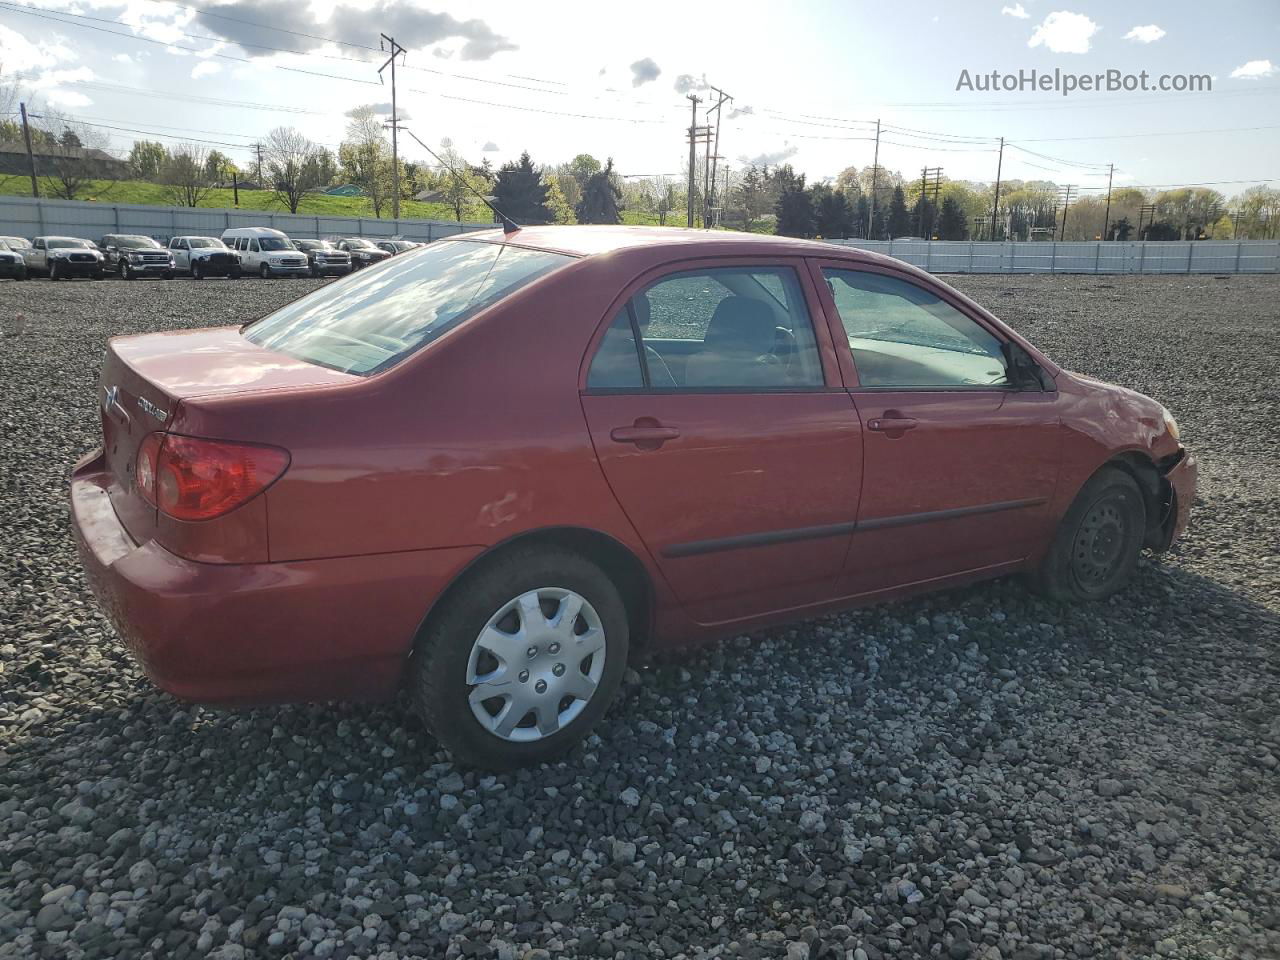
{"x": 361, "y": 245}
{"x": 197, "y": 242}
{"x": 56, "y": 242}
{"x": 374, "y": 318}
{"x": 275, "y": 243}
{"x": 311, "y": 245}
{"x": 135, "y": 243}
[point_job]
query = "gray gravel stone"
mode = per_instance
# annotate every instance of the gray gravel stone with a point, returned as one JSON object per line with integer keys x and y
{"x": 979, "y": 774}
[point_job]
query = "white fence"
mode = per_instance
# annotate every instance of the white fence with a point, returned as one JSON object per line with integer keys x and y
{"x": 979, "y": 256}
{"x": 25, "y": 217}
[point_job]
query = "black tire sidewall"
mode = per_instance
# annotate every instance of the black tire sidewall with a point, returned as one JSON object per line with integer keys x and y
{"x": 1058, "y": 576}
{"x": 443, "y": 649}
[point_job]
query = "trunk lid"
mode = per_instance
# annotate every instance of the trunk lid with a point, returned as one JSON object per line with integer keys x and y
{"x": 146, "y": 378}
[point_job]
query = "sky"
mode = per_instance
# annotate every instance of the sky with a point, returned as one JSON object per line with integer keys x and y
{"x": 808, "y": 81}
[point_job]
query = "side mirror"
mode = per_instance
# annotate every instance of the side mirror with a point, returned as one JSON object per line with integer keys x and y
{"x": 1023, "y": 372}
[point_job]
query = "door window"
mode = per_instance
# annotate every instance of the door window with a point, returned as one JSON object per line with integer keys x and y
{"x": 902, "y": 335}
{"x": 723, "y": 328}
{"x": 253, "y": 246}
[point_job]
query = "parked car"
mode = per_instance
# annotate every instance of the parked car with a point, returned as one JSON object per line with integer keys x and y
{"x": 266, "y": 252}
{"x": 324, "y": 258}
{"x": 20, "y": 244}
{"x": 204, "y": 257}
{"x": 131, "y": 256}
{"x": 397, "y": 246}
{"x": 12, "y": 264}
{"x": 61, "y": 258}
{"x": 363, "y": 252}
{"x": 491, "y": 470}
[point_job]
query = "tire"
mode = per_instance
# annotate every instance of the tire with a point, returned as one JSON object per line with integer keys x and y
{"x": 1095, "y": 549}
{"x": 125, "y": 272}
{"x": 53, "y": 270}
{"x": 236, "y": 273}
{"x": 449, "y": 653}
{"x": 197, "y": 271}
{"x": 99, "y": 274}
{"x": 168, "y": 274}
{"x": 264, "y": 272}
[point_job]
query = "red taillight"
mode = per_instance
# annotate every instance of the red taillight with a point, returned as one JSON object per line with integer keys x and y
{"x": 193, "y": 479}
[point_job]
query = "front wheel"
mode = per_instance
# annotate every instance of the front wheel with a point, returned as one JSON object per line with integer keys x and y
{"x": 53, "y": 271}
{"x": 1096, "y": 547}
{"x": 197, "y": 271}
{"x": 235, "y": 273}
{"x": 265, "y": 272}
{"x": 522, "y": 660}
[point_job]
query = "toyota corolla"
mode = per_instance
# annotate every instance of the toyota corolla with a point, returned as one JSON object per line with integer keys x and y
{"x": 491, "y": 469}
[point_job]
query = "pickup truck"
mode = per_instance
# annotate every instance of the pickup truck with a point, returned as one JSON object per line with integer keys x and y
{"x": 64, "y": 257}
{"x": 204, "y": 257}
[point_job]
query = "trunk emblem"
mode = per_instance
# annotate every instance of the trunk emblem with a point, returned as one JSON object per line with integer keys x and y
{"x": 158, "y": 412}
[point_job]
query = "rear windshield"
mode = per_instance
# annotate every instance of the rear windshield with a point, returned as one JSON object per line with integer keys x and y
{"x": 373, "y": 318}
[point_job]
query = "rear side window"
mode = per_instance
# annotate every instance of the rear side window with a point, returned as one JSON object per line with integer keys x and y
{"x": 725, "y": 328}
{"x": 372, "y": 319}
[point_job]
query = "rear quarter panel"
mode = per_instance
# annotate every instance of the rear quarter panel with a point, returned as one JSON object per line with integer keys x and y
{"x": 473, "y": 440}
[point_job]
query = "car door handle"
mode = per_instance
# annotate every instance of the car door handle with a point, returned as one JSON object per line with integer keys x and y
{"x": 892, "y": 424}
{"x": 646, "y": 433}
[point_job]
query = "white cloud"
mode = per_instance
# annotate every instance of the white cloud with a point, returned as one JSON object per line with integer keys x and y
{"x": 1254, "y": 70}
{"x": 644, "y": 71}
{"x": 489, "y": 147}
{"x": 122, "y": 58}
{"x": 205, "y": 68}
{"x": 1017, "y": 10}
{"x": 67, "y": 98}
{"x": 1147, "y": 34}
{"x": 1064, "y": 32}
{"x": 21, "y": 55}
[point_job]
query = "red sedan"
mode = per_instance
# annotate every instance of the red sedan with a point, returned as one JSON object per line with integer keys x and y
{"x": 491, "y": 468}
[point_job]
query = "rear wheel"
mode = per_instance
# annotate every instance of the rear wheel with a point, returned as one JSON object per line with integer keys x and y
{"x": 522, "y": 660}
{"x": 1096, "y": 547}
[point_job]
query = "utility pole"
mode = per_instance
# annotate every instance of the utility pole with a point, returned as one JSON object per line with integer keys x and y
{"x": 929, "y": 176}
{"x": 258, "y": 174}
{"x": 31, "y": 157}
{"x": 396, "y": 50}
{"x": 995, "y": 205}
{"x": 1106, "y": 219}
{"x": 235, "y": 186}
{"x": 1066, "y": 205}
{"x": 693, "y": 155}
{"x": 715, "y": 154}
{"x": 875, "y": 171}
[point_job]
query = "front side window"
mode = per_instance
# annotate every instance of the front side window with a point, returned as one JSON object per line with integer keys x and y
{"x": 372, "y": 319}
{"x": 723, "y": 328}
{"x": 904, "y": 336}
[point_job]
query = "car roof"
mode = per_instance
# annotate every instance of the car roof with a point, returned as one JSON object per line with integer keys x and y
{"x": 586, "y": 241}
{"x": 259, "y": 231}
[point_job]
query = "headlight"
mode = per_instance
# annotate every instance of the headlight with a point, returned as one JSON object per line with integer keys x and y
{"x": 1171, "y": 425}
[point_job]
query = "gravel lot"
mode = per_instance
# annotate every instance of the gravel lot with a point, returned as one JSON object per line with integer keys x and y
{"x": 977, "y": 774}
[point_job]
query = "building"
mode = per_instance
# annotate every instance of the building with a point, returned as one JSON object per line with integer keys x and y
{"x": 52, "y": 159}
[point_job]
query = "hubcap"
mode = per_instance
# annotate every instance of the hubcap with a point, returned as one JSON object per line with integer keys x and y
{"x": 536, "y": 664}
{"x": 1099, "y": 543}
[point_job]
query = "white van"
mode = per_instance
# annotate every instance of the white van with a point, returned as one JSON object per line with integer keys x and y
{"x": 266, "y": 252}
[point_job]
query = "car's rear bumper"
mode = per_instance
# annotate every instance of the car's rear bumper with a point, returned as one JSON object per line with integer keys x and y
{"x": 308, "y": 630}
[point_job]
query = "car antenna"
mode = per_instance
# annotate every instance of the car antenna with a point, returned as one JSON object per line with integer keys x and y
{"x": 508, "y": 225}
